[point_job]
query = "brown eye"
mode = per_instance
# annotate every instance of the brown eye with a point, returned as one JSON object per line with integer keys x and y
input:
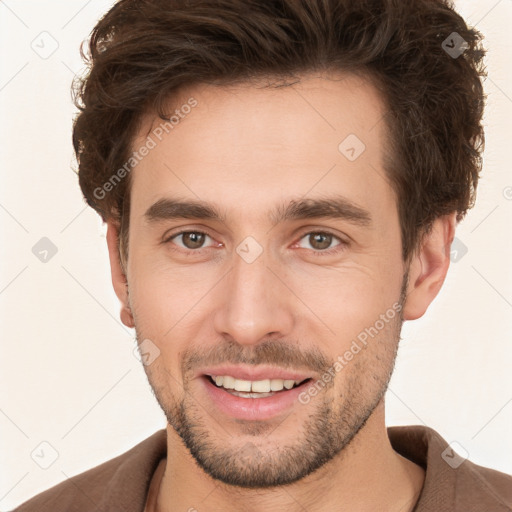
{"x": 320, "y": 241}
{"x": 190, "y": 239}
{"x": 193, "y": 240}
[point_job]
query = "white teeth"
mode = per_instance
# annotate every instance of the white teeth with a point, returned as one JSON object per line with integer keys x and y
{"x": 288, "y": 384}
{"x": 242, "y": 385}
{"x": 229, "y": 382}
{"x": 276, "y": 384}
{"x": 257, "y": 386}
{"x": 261, "y": 386}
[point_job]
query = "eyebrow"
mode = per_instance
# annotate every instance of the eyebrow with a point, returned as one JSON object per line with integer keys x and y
{"x": 334, "y": 207}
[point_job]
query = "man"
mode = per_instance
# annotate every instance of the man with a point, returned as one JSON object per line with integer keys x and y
{"x": 281, "y": 183}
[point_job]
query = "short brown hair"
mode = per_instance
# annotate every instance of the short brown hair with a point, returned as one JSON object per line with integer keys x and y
{"x": 143, "y": 51}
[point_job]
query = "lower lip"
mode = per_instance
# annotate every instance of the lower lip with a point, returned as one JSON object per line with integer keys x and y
{"x": 252, "y": 408}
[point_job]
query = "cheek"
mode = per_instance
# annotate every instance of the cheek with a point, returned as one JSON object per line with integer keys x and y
{"x": 165, "y": 293}
{"x": 171, "y": 308}
{"x": 347, "y": 299}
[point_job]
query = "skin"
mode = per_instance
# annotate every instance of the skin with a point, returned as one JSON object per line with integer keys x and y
{"x": 247, "y": 149}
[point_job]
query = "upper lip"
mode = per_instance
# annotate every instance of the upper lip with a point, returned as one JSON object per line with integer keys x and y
{"x": 260, "y": 372}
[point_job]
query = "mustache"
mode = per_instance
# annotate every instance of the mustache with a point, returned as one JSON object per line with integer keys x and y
{"x": 273, "y": 352}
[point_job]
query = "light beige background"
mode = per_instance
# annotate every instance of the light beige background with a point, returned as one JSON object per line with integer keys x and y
{"x": 68, "y": 374}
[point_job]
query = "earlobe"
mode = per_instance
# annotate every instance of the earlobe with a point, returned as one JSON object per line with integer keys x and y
{"x": 429, "y": 266}
{"x": 119, "y": 280}
{"x": 126, "y": 316}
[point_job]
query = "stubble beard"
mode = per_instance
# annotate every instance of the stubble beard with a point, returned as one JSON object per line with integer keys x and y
{"x": 332, "y": 421}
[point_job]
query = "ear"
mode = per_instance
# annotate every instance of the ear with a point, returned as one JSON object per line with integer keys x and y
{"x": 119, "y": 280}
{"x": 429, "y": 266}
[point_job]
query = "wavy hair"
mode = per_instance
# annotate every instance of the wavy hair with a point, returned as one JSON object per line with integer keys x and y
{"x": 142, "y": 51}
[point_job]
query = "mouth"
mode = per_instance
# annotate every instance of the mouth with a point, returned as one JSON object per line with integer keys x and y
{"x": 262, "y": 390}
{"x": 253, "y": 400}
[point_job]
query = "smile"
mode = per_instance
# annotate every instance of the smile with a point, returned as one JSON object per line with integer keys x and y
{"x": 252, "y": 400}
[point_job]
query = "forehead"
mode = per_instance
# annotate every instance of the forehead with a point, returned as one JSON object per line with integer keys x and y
{"x": 252, "y": 144}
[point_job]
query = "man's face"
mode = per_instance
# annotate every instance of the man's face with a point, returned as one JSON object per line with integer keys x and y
{"x": 260, "y": 290}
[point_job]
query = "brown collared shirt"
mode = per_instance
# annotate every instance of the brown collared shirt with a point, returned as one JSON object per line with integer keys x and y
{"x": 122, "y": 484}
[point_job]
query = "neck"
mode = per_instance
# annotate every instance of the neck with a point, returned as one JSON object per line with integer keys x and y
{"x": 367, "y": 475}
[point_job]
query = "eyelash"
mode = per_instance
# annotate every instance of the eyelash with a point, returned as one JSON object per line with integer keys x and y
{"x": 335, "y": 250}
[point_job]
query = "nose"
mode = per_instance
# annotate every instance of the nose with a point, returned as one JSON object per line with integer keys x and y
{"x": 254, "y": 304}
